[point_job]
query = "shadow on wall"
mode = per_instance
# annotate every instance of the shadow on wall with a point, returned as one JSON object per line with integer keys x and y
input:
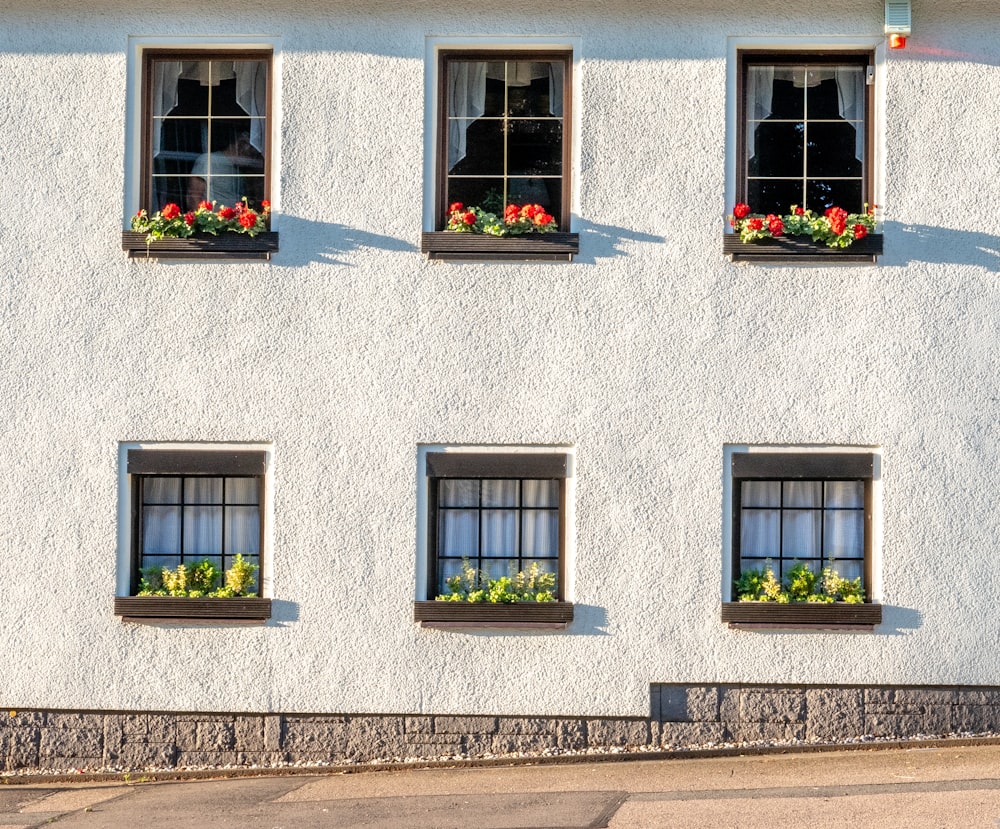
{"x": 604, "y": 241}
{"x": 307, "y": 240}
{"x": 907, "y": 243}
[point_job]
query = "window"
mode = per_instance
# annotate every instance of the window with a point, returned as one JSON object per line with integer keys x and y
{"x": 188, "y": 506}
{"x": 805, "y": 131}
{"x": 503, "y": 513}
{"x": 205, "y": 128}
{"x": 803, "y": 508}
{"x": 503, "y": 125}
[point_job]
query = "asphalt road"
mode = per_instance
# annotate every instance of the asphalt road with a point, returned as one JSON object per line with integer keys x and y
{"x": 911, "y": 789}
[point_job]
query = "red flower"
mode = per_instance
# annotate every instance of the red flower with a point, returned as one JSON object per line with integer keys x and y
{"x": 189, "y": 219}
{"x": 170, "y": 211}
{"x": 455, "y": 207}
{"x": 755, "y": 223}
{"x": 266, "y": 205}
{"x": 226, "y": 213}
{"x": 775, "y": 225}
{"x": 511, "y": 212}
{"x": 838, "y": 219}
{"x": 204, "y": 205}
{"x": 469, "y": 218}
{"x": 800, "y": 211}
{"x": 248, "y": 219}
{"x": 741, "y": 210}
{"x": 532, "y": 210}
{"x": 860, "y": 231}
{"x": 543, "y": 219}
{"x": 240, "y": 206}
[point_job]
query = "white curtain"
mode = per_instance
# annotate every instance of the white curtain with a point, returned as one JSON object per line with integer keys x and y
{"x": 850, "y": 91}
{"x": 467, "y": 93}
{"x": 251, "y": 91}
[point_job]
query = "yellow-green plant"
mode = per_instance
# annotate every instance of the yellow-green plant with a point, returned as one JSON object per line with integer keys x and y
{"x": 200, "y": 580}
{"x": 799, "y": 585}
{"x": 475, "y": 586}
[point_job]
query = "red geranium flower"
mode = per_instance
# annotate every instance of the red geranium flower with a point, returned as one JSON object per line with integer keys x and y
{"x": 543, "y": 218}
{"x": 800, "y": 211}
{"x": 248, "y": 219}
{"x": 775, "y": 225}
{"x": 204, "y": 205}
{"x": 741, "y": 210}
{"x": 189, "y": 218}
{"x": 455, "y": 207}
{"x": 226, "y": 213}
{"x": 265, "y": 204}
{"x": 860, "y": 231}
{"x": 170, "y": 211}
{"x": 838, "y": 219}
{"x": 755, "y": 223}
{"x": 469, "y": 218}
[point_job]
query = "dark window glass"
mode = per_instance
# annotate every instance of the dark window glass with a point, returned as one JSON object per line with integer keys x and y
{"x": 206, "y": 130}
{"x": 504, "y": 138}
{"x": 805, "y": 123}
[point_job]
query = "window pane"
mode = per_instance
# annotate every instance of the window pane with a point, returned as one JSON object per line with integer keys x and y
{"x": 458, "y": 492}
{"x": 496, "y": 569}
{"x": 850, "y": 570}
{"x": 242, "y": 490}
{"x": 459, "y": 533}
{"x": 823, "y": 194}
{"x": 544, "y": 191}
{"x": 540, "y": 493}
{"x": 484, "y": 148}
{"x": 448, "y": 568}
{"x": 831, "y": 150}
{"x": 541, "y": 532}
{"x": 159, "y": 562}
{"x": 203, "y": 490}
{"x": 775, "y": 195}
{"x": 778, "y": 150}
{"x": 487, "y": 193}
{"x": 845, "y": 494}
{"x": 760, "y": 532}
{"x": 529, "y": 84}
{"x": 161, "y": 531}
{"x": 844, "y": 533}
{"x": 500, "y": 536}
{"x": 202, "y": 531}
{"x": 800, "y": 536}
{"x": 761, "y": 493}
{"x": 803, "y": 493}
{"x": 242, "y": 530}
{"x": 501, "y": 493}
{"x": 534, "y": 148}
{"x": 161, "y": 490}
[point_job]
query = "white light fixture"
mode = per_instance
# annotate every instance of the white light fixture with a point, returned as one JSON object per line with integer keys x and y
{"x": 897, "y": 17}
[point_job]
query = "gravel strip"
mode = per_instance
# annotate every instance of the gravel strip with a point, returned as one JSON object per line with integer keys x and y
{"x": 548, "y": 756}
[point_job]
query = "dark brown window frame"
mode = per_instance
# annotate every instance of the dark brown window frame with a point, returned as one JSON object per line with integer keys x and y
{"x": 142, "y": 464}
{"x": 745, "y": 58}
{"x": 441, "y": 244}
{"x": 224, "y": 246}
{"x": 493, "y": 465}
{"x": 811, "y": 466}
{"x": 802, "y": 249}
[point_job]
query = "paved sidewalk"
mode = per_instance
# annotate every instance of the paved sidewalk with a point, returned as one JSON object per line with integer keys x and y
{"x": 913, "y": 788}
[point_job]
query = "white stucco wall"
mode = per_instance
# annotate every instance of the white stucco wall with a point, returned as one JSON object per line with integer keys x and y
{"x": 648, "y": 355}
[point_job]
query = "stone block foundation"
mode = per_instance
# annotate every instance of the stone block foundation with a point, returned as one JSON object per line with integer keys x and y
{"x": 681, "y": 716}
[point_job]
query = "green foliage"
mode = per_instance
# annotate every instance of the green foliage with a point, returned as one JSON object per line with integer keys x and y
{"x": 471, "y": 585}
{"x": 202, "y": 580}
{"x": 799, "y": 585}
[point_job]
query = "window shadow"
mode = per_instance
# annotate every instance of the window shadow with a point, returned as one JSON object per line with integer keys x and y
{"x": 899, "y": 621}
{"x": 905, "y": 243}
{"x": 599, "y": 241}
{"x": 304, "y": 241}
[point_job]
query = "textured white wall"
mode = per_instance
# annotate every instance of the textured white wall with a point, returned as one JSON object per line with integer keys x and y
{"x": 347, "y": 350}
